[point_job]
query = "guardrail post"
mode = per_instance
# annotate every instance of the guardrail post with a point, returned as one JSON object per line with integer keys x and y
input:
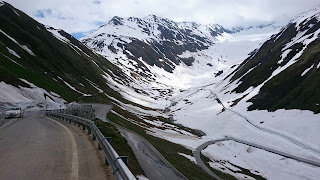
{"x": 119, "y": 168}
{"x": 125, "y": 159}
{"x": 109, "y": 139}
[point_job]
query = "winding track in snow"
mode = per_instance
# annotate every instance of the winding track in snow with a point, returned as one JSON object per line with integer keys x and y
{"x": 270, "y": 131}
{"x": 196, "y": 153}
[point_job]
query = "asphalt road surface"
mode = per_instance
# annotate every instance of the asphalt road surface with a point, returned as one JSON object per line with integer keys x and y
{"x": 150, "y": 162}
{"x": 35, "y": 147}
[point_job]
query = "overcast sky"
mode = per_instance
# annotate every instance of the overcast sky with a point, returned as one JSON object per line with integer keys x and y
{"x": 82, "y": 16}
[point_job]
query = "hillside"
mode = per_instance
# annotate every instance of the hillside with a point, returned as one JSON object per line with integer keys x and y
{"x": 286, "y": 68}
{"x": 49, "y": 58}
{"x": 234, "y": 78}
{"x": 153, "y": 52}
{"x": 180, "y": 85}
{"x": 42, "y": 67}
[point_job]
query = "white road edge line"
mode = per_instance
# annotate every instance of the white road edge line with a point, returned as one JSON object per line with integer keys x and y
{"x": 74, "y": 161}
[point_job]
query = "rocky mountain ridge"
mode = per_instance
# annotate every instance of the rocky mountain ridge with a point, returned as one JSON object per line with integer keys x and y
{"x": 158, "y": 41}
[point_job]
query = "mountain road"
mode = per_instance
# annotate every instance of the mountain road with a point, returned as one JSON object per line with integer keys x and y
{"x": 155, "y": 166}
{"x": 37, "y": 147}
{"x": 198, "y": 150}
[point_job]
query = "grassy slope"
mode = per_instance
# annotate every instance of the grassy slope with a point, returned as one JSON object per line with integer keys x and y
{"x": 53, "y": 58}
{"x": 168, "y": 149}
{"x": 121, "y": 146}
{"x": 288, "y": 89}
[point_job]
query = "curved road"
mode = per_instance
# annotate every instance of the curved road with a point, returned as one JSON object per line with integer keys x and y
{"x": 198, "y": 150}
{"x": 36, "y": 147}
{"x": 153, "y": 164}
{"x": 270, "y": 131}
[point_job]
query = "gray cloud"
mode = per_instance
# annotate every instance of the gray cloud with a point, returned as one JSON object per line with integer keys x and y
{"x": 80, "y": 16}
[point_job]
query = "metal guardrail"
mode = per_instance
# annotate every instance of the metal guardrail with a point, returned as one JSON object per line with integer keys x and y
{"x": 167, "y": 163}
{"x": 120, "y": 169}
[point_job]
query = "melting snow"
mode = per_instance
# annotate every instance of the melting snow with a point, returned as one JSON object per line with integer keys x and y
{"x": 56, "y": 33}
{"x": 26, "y": 97}
{"x": 193, "y": 93}
{"x": 284, "y": 55}
{"x": 15, "y": 12}
{"x": 307, "y": 70}
{"x": 95, "y": 86}
{"x": 191, "y": 158}
{"x": 13, "y": 52}
{"x": 12, "y": 60}
{"x": 268, "y": 165}
{"x": 65, "y": 40}
{"x": 73, "y": 88}
{"x": 22, "y": 46}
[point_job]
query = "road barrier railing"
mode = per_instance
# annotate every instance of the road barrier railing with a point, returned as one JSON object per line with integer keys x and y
{"x": 120, "y": 169}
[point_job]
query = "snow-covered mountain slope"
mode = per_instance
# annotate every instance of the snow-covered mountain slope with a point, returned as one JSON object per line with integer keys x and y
{"x": 284, "y": 72}
{"x": 50, "y": 59}
{"x": 168, "y": 44}
{"x": 30, "y": 97}
{"x": 276, "y": 69}
{"x": 157, "y": 40}
{"x": 157, "y": 53}
{"x": 282, "y": 76}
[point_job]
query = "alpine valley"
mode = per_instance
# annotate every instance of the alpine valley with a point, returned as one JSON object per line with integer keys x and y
{"x": 183, "y": 83}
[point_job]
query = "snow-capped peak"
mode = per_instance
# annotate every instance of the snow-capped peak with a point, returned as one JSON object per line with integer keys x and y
{"x": 307, "y": 15}
{"x": 116, "y": 20}
{"x": 138, "y": 44}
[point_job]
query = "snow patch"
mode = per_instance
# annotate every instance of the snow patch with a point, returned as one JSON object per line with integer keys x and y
{"x": 56, "y": 34}
{"x": 191, "y": 158}
{"x": 255, "y": 160}
{"x": 307, "y": 70}
{"x": 29, "y": 96}
{"x": 13, "y": 52}
{"x": 22, "y": 46}
{"x": 16, "y": 12}
{"x": 12, "y": 60}
{"x": 284, "y": 55}
{"x": 94, "y": 85}
{"x": 73, "y": 88}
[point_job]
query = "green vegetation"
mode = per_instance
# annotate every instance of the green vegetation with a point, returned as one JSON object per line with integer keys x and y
{"x": 53, "y": 58}
{"x": 168, "y": 149}
{"x": 242, "y": 170}
{"x": 290, "y": 90}
{"x": 120, "y": 144}
{"x": 225, "y": 176}
{"x": 287, "y": 90}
